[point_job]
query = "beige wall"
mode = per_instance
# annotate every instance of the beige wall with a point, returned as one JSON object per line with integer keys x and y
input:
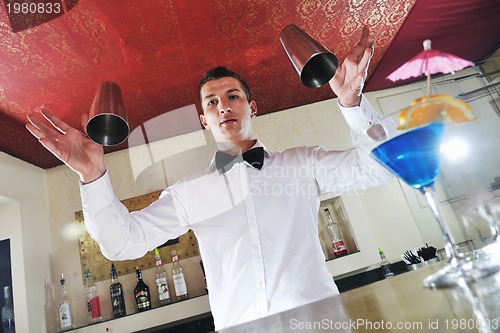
{"x": 24, "y": 219}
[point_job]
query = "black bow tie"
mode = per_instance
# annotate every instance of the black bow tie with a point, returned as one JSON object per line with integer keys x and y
{"x": 225, "y": 161}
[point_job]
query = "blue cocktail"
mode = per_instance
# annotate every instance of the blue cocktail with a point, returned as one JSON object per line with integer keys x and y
{"x": 414, "y": 155}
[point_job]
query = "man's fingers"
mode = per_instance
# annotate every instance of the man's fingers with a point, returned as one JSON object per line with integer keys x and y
{"x": 366, "y": 37}
{"x": 365, "y": 41}
{"x": 40, "y": 129}
{"x": 34, "y": 124}
{"x": 42, "y": 138}
{"x": 357, "y": 84}
{"x": 365, "y": 61}
{"x": 33, "y": 130}
{"x": 56, "y": 122}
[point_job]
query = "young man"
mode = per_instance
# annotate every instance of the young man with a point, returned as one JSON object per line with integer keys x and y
{"x": 260, "y": 250}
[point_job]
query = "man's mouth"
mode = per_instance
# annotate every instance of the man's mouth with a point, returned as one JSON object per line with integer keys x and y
{"x": 228, "y": 121}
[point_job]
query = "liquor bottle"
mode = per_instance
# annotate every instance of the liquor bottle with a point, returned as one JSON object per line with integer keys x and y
{"x": 178, "y": 277}
{"x": 161, "y": 280}
{"x": 65, "y": 317}
{"x": 332, "y": 227}
{"x": 117, "y": 297}
{"x": 92, "y": 302}
{"x": 8, "y": 322}
{"x": 385, "y": 265}
{"x": 141, "y": 292}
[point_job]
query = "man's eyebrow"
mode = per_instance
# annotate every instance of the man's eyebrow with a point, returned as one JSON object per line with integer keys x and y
{"x": 232, "y": 90}
{"x": 209, "y": 96}
{"x": 227, "y": 92}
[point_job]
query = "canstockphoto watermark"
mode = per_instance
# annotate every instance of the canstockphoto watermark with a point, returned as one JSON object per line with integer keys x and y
{"x": 437, "y": 325}
{"x": 354, "y": 324}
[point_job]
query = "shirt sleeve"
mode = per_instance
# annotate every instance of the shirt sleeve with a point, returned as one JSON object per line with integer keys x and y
{"x": 122, "y": 235}
{"x": 358, "y": 117}
{"x": 350, "y": 170}
{"x": 340, "y": 171}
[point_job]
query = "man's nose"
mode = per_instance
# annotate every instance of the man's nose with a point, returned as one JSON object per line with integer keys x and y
{"x": 224, "y": 106}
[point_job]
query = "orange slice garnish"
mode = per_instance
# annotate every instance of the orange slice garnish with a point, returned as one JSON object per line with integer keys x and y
{"x": 459, "y": 112}
{"x": 433, "y": 108}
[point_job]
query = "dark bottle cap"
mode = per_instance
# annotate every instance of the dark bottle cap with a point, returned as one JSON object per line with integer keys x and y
{"x": 138, "y": 272}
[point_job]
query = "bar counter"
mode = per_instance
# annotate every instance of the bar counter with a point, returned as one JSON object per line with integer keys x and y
{"x": 398, "y": 304}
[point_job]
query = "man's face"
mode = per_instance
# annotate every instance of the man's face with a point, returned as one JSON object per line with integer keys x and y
{"x": 226, "y": 111}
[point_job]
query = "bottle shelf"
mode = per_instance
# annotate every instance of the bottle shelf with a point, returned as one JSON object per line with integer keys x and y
{"x": 157, "y": 316}
{"x": 347, "y": 255}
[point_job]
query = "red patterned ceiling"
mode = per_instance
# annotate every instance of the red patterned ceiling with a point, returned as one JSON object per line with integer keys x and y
{"x": 157, "y": 50}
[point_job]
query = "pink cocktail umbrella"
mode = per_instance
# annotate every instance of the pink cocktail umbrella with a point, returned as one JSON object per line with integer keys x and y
{"x": 429, "y": 62}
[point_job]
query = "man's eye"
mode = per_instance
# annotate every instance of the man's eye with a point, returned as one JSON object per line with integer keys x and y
{"x": 210, "y": 103}
{"x": 231, "y": 97}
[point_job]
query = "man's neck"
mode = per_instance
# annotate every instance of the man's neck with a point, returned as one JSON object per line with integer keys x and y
{"x": 235, "y": 148}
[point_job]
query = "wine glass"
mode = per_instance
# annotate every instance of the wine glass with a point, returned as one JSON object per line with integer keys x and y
{"x": 411, "y": 151}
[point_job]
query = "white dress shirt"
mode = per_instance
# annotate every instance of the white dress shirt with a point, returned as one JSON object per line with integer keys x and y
{"x": 257, "y": 230}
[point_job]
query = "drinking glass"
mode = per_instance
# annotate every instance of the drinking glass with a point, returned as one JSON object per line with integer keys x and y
{"x": 412, "y": 153}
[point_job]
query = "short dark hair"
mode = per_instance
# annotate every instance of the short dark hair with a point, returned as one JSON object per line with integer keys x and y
{"x": 220, "y": 72}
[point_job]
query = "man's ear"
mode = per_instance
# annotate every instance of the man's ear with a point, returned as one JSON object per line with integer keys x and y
{"x": 253, "y": 107}
{"x": 204, "y": 121}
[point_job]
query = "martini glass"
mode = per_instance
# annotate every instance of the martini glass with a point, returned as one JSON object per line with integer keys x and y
{"x": 413, "y": 154}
